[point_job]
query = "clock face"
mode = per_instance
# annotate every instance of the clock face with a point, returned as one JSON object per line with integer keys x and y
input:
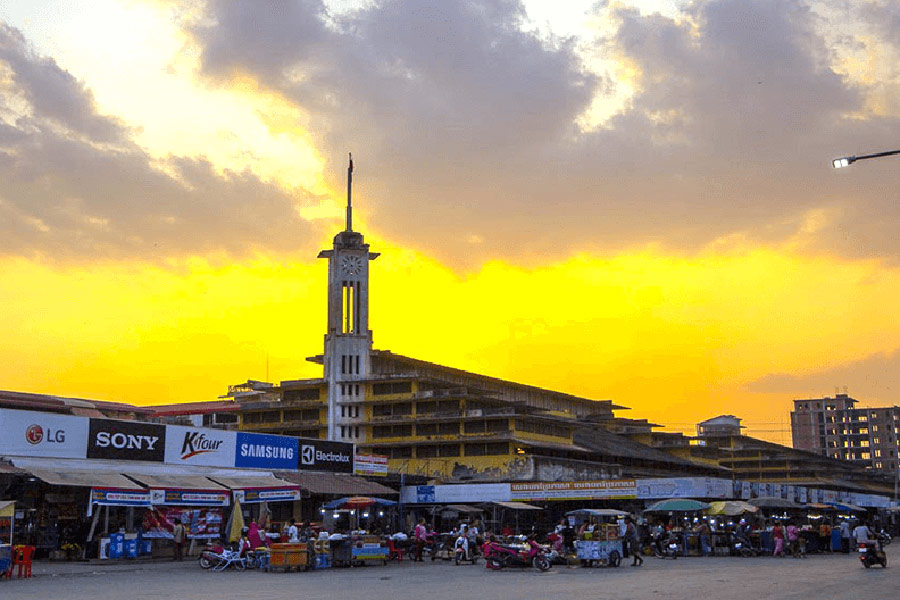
{"x": 351, "y": 265}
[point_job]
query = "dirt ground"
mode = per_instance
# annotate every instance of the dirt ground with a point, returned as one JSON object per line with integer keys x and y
{"x": 814, "y": 578}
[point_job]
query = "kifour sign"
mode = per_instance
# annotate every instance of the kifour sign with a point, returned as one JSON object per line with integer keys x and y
{"x": 200, "y": 446}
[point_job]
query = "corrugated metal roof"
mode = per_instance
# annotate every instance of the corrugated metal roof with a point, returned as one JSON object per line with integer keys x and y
{"x": 334, "y": 484}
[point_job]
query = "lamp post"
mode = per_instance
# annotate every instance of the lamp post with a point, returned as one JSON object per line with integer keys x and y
{"x": 846, "y": 161}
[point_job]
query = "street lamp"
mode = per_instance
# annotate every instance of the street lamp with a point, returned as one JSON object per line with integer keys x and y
{"x": 846, "y": 161}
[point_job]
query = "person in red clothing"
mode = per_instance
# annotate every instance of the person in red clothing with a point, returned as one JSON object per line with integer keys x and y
{"x": 420, "y": 535}
{"x": 778, "y": 536}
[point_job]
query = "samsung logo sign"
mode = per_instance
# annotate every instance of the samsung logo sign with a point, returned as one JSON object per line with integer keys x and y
{"x": 266, "y": 451}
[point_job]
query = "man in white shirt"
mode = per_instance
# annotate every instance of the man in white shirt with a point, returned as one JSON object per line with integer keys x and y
{"x": 845, "y": 537}
{"x": 293, "y": 532}
{"x": 861, "y": 533}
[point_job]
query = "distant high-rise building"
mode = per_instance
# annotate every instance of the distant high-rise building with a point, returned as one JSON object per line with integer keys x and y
{"x": 836, "y": 428}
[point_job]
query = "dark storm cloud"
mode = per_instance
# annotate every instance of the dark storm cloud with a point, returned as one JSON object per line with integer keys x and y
{"x": 73, "y": 186}
{"x": 464, "y": 123}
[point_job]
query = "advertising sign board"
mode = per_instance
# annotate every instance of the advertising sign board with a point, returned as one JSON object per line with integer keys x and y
{"x": 371, "y": 464}
{"x": 263, "y": 451}
{"x": 200, "y": 446}
{"x": 319, "y": 455}
{"x": 126, "y": 440}
{"x": 32, "y": 433}
{"x": 574, "y": 490}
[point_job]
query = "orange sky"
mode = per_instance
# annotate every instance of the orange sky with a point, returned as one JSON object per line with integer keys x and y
{"x": 168, "y": 186}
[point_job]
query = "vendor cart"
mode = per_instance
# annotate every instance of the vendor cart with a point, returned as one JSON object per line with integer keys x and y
{"x": 368, "y": 548}
{"x": 289, "y": 556}
{"x": 601, "y": 546}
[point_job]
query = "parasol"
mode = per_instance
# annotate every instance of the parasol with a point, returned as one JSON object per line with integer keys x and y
{"x": 731, "y": 508}
{"x": 677, "y": 505}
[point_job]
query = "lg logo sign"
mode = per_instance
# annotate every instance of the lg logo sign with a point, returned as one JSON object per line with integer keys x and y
{"x": 307, "y": 455}
{"x": 35, "y": 435}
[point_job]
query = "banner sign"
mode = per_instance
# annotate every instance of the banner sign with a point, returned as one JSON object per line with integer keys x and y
{"x": 33, "y": 433}
{"x": 126, "y": 440}
{"x": 200, "y": 523}
{"x": 263, "y": 451}
{"x": 196, "y": 446}
{"x": 169, "y": 497}
{"x": 319, "y": 455}
{"x": 120, "y": 497}
{"x": 574, "y": 490}
{"x": 256, "y": 495}
{"x": 371, "y": 464}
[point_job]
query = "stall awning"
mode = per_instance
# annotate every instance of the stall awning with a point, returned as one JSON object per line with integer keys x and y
{"x": 183, "y": 490}
{"x": 461, "y": 508}
{"x": 334, "y": 484}
{"x": 7, "y": 508}
{"x": 105, "y": 479}
{"x": 517, "y": 505}
{"x": 262, "y": 488}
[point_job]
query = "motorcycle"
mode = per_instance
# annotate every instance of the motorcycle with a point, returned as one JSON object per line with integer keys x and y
{"x": 500, "y": 557}
{"x": 464, "y": 551}
{"x": 741, "y": 546}
{"x": 871, "y": 553}
{"x": 666, "y": 547}
{"x": 211, "y": 556}
{"x": 885, "y": 538}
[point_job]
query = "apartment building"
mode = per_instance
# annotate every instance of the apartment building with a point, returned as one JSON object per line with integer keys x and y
{"x": 836, "y": 427}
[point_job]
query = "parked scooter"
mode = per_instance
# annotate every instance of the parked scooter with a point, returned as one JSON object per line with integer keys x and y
{"x": 463, "y": 551}
{"x": 499, "y": 557}
{"x": 885, "y": 538}
{"x": 741, "y": 546}
{"x": 667, "y": 546}
{"x": 872, "y": 553}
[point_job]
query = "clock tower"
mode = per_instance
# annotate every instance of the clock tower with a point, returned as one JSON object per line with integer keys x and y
{"x": 347, "y": 338}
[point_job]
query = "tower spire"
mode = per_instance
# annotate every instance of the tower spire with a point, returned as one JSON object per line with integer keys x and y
{"x": 349, "y": 192}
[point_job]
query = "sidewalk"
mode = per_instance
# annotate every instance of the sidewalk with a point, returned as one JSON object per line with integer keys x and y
{"x": 53, "y": 568}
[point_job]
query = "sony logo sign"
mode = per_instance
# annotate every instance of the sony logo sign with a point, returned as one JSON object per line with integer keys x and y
{"x": 105, "y": 439}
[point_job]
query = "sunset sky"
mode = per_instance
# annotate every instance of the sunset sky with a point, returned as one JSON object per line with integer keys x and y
{"x": 627, "y": 200}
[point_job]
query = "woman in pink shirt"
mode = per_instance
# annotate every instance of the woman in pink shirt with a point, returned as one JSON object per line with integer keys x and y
{"x": 778, "y": 536}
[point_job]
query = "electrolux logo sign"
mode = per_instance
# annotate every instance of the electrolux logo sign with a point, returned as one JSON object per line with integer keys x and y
{"x": 126, "y": 440}
{"x": 261, "y": 451}
{"x": 32, "y": 433}
{"x": 196, "y": 446}
{"x": 318, "y": 455}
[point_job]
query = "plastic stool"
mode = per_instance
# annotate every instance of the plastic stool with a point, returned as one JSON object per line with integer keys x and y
{"x": 23, "y": 560}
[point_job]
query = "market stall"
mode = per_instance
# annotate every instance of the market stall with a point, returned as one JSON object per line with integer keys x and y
{"x": 194, "y": 500}
{"x": 7, "y": 521}
{"x": 357, "y": 546}
{"x": 600, "y": 540}
{"x": 682, "y": 513}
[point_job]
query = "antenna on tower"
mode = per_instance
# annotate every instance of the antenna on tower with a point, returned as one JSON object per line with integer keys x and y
{"x": 349, "y": 192}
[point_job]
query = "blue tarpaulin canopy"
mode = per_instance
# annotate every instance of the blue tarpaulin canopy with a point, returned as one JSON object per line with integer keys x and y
{"x": 358, "y": 502}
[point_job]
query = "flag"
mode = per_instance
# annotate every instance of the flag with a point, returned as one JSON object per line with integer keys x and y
{"x": 350, "y": 170}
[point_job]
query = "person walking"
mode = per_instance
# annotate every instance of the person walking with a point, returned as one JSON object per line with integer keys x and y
{"x": 420, "y": 535}
{"x": 178, "y": 537}
{"x": 633, "y": 541}
{"x": 778, "y": 536}
{"x": 703, "y": 533}
{"x": 845, "y": 537}
{"x": 793, "y": 539}
{"x": 293, "y": 532}
{"x": 824, "y": 536}
{"x": 622, "y": 535}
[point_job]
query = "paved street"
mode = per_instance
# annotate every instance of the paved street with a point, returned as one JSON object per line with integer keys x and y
{"x": 818, "y": 577}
